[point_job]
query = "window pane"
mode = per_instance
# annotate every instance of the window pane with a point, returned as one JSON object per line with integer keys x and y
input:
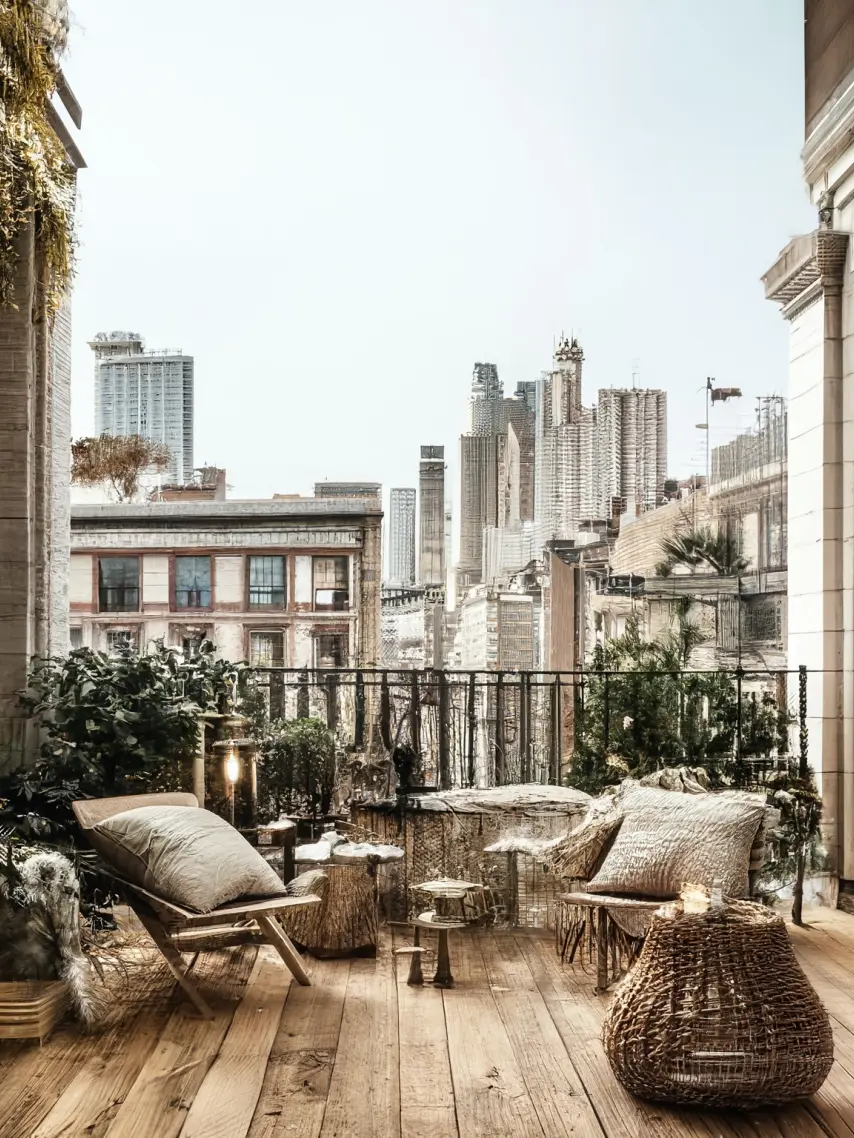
{"x": 330, "y": 650}
{"x": 118, "y": 584}
{"x": 266, "y": 649}
{"x": 192, "y": 582}
{"x": 121, "y": 641}
{"x": 76, "y": 633}
{"x": 331, "y": 584}
{"x": 266, "y": 582}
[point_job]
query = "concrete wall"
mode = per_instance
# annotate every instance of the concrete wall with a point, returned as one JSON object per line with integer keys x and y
{"x": 34, "y": 477}
{"x": 638, "y": 548}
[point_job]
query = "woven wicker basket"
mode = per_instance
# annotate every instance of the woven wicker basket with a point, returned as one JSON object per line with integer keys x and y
{"x": 717, "y": 1012}
{"x": 31, "y": 1009}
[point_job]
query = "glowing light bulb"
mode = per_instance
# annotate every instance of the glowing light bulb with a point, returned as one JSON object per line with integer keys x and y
{"x": 232, "y": 767}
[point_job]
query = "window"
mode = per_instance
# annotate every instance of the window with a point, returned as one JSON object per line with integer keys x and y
{"x": 266, "y": 582}
{"x": 266, "y": 649}
{"x": 331, "y": 584}
{"x": 118, "y": 584}
{"x": 330, "y": 650}
{"x": 76, "y": 636}
{"x": 120, "y": 641}
{"x": 192, "y": 582}
{"x": 189, "y": 639}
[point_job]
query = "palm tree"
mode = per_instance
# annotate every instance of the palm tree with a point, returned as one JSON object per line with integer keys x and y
{"x": 701, "y": 547}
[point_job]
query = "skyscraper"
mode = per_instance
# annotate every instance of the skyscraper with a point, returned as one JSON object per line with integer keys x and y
{"x": 486, "y": 390}
{"x": 401, "y": 537}
{"x": 145, "y": 393}
{"x": 631, "y": 433}
{"x": 496, "y": 466}
{"x": 431, "y": 481}
{"x": 591, "y": 460}
{"x": 566, "y": 462}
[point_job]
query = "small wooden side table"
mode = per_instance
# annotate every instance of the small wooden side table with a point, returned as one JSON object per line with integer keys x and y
{"x": 443, "y": 978}
{"x": 606, "y": 929}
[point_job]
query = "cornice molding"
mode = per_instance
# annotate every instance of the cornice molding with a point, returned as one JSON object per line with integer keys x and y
{"x": 833, "y": 134}
{"x": 806, "y": 267}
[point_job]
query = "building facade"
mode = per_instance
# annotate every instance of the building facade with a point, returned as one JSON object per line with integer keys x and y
{"x": 35, "y": 437}
{"x": 431, "y": 521}
{"x": 496, "y": 631}
{"x": 401, "y": 536}
{"x": 813, "y": 283}
{"x": 145, "y": 393}
{"x": 289, "y": 583}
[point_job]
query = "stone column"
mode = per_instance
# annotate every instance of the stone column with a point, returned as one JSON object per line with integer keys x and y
{"x": 806, "y": 281}
{"x": 18, "y": 493}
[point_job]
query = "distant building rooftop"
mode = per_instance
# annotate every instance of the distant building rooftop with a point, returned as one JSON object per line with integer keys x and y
{"x": 132, "y": 513}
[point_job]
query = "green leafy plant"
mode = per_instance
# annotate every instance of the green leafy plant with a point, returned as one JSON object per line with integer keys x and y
{"x": 36, "y": 179}
{"x": 113, "y": 725}
{"x": 296, "y": 768}
{"x": 640, "y": 710}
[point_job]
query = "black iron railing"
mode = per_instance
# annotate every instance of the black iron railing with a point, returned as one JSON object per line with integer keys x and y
{"x": 484, "y": 728}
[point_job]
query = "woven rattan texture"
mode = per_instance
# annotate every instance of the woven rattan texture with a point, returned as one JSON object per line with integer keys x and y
{"x": 452, "y": 845}
{"x": 717, "y": 1012}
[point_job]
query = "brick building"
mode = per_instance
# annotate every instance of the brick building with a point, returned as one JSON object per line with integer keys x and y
{"x": 289, "y": 582}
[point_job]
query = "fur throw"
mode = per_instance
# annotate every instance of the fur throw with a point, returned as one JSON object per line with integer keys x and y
{"x": 40, "y": 930}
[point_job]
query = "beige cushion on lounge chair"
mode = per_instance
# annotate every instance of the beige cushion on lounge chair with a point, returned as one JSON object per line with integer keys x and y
{"x": 668, "y": 840}
{"x": 184, "y": 854}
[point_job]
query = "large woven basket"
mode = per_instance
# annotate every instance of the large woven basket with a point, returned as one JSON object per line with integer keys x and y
{"x": 717, "y": 1012}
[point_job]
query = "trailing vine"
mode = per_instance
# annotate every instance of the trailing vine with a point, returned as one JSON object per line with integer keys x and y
{"x": 36, "y": 179}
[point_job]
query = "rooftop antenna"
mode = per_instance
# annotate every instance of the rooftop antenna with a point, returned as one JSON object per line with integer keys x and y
{"x": 635, "y": 373}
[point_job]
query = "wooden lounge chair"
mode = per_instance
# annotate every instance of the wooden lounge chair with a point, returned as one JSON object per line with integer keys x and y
{"x": 176, "y": 930}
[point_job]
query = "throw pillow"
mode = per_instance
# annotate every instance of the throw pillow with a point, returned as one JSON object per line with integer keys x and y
{"x": 667, "y": 840}
{"x": 576, "y": 856}
{"x": 186, "y": 855}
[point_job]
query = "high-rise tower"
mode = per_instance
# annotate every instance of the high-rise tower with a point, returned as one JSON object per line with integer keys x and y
{"x": 401, "y": 537}
{"x": 431, "y": 484}
{"x": 145, "y": 393}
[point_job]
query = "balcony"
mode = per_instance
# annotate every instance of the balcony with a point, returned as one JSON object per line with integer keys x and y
{"x": 512, "y": 1050}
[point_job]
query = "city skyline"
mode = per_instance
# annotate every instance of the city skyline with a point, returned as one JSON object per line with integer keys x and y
{"x": 548, "y": 253}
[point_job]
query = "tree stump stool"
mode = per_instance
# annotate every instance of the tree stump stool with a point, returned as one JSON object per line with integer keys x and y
{"x": 345, "y": 921}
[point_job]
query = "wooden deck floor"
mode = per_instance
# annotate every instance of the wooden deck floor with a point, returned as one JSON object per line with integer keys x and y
{"x": 513, "y": 1050}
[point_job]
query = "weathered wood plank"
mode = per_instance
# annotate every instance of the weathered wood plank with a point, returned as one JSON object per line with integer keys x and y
{"x": 556, "y": 1091}
{"x": 293, "y": 1098}
{"x": 426, "y": 1089}
{"x": 577, "y": 1015}
{"x": 91, "y": 1098}
{"x": 364, "y": 1092}
{"x": 226, "y": 1101}
{"x": 490, "y": 1093}
{"x": 157, "y": 1104}
{"x": 34, "y": 1083}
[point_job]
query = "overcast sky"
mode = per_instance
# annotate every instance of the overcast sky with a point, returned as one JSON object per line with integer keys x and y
{"x": 338, "y": 207}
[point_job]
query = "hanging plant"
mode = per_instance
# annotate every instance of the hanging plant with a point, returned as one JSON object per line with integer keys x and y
{"x": 36, "y": 180}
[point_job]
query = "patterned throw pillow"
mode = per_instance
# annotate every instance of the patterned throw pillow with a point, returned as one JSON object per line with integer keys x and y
{"x": 667, "y": 840}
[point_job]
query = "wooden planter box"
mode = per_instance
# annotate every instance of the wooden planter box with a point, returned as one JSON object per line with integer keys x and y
{"x": 31, "y": 1009}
